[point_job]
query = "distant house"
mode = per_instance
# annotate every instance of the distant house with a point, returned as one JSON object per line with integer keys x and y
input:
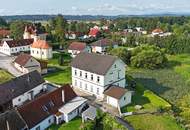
{"x": 31, "y": 32}
{"x": 40, "y": 49}
{"x": 60, "y": 105}
{"x": 118, "y": 97}
{"x": 25, "y": 63}
{"x": 157, "y": 31}
{"x": 4, "y": 33}
{"x": 100, "y": 46}
{"x": 78, "y": 47}
{"x": 93, "y": 73}
{"x": 10, "y": 47}
{"x": 94, "y": 32}
{"x": 21, "y": 89}
{"x": 11, "y": 120}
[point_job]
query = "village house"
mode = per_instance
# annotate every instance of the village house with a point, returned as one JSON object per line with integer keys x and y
{"x": 78, "y": 47}
{"x": 56, "y": 107}
{"x": 17, "y": 91}
{"x": 100, "y": 46}
{"x": 11, "y": 120}
{"x": 25, "y": 63}
{"x": 118, "y": 97}
{"x": 31, "y": 32}
{"x": 93, "y": 73}
{"x": 10, "y": 47}
{"x": 40, "y": 49}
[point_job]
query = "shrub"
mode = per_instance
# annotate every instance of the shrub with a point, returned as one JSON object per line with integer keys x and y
{"x": 146, "y": 56}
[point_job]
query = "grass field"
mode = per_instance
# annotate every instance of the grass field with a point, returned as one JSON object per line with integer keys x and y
{"x": 72, "y": 125}
{"x": 62, "y": 74}
{"x": 153, "y": 122}
{"x": 4, "y": 76}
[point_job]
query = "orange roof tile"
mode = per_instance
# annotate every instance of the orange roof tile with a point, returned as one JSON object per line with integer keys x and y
{"x": 41, "y": 44}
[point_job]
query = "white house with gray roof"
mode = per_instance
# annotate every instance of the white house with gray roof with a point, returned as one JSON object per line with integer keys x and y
{"x": 93, "y": 73}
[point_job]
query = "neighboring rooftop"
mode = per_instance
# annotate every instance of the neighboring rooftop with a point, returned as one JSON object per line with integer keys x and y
{"x": 22, "y": 59}
{"x": 11, "y": 120}
{"x": 17, "y": 43}
{"x": 95, "y": 63}
{"x": 19, "y": 86}
{"x": 42, "y": 44}
{"x": 77, "y": 46}
{"x": 46, "y": 105}
{"x": 115, "y": 92}
{"x": 103, "y": 43}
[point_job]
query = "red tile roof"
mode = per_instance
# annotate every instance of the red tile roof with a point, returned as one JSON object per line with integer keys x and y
{"x": 115, "y": 92}
{"x": 42, "y": 44}
{"x": 4, "y": 32}
{"x": 46, "y": 105}
{"x": 17, "y": 43}
{"x": 22, "y": 59}
{"x": 94, "y": 32}
{"x": 77, "y": 46}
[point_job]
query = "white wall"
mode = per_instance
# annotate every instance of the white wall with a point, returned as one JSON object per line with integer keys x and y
{"x": 127, "y": 100}
{"x": 45, "y": 123}
{"x": 26, "y": 96}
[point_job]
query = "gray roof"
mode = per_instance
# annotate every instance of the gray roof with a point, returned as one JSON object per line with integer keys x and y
{"x": 95, "y": 63}
{"x": 19, "y": 86}
{"x": 12, "y": 120}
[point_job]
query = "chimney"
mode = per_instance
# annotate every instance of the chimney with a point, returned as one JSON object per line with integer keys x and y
{"x": 63, "y": 96}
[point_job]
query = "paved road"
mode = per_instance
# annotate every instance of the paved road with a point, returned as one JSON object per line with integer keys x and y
{"x": 6, "y": 64}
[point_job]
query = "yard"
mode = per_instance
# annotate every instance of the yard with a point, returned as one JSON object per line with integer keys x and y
{"x": 153, "y": 122}
{"x": 61, "y": 74}
{"x": 4, "y": 76}
{"x": 72, "y": 125}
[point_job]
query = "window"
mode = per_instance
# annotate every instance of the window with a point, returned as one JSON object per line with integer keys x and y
{"x": 38, "y": 128}
{"x": 91, "y": 76}
{"x": 75, "y": 72}
{"x": 80, "y": 84}
{"x": 75, "y": 82}
{"x": 86, "y": 76}
{"x": 86, "y": 87}
{"x": 91, "y": 88}
{"x": 97, "y": 91}
{"x": 98, "y": 79}
{"x": 80, "y": 73}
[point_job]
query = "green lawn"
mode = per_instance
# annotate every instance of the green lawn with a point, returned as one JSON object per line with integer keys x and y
{"x": 153, "y": 122}
{"x": 4, "y": 76}
{"x": 62, "y": 75}
{"x": 72, "y": 125}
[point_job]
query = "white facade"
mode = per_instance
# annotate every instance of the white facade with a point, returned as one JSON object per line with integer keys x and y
{"x": 29, "y": 95}
{"x": 30, "y": 66}
{"x": 123, "y": 101}
{"x": 40, "y": 53}
{"x": 75, "y": 52}
{"x": 95, "y": 84}
{"x": 44, "y": 124}
{"x": 5, "y": 49}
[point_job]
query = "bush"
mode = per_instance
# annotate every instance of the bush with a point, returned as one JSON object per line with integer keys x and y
{"x": 147, "y": 56}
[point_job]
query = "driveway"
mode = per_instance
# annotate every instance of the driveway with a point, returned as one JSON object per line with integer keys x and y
{"x": 6, "y": 64}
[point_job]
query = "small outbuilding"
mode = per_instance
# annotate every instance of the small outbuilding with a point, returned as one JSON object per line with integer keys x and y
{"x": 118, "y": 96}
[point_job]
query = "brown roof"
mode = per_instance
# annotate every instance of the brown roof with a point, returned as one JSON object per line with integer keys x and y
{"x": 16, "y": 43}
{"x": 22, "y": 59}
{"x": 94, "y": 63}
{"x": 103, "y": 43}
{"x": 46, "y": 105}
{"x": 115, "y": 92}
{"x": 77, "y": 46}
{"x": 19, "y": 86}
{"x": 42, "y": 44}
{"x": 13, "y": 119}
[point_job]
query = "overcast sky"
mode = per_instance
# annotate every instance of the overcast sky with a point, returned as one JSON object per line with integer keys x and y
{"x": 93, "y": 7}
